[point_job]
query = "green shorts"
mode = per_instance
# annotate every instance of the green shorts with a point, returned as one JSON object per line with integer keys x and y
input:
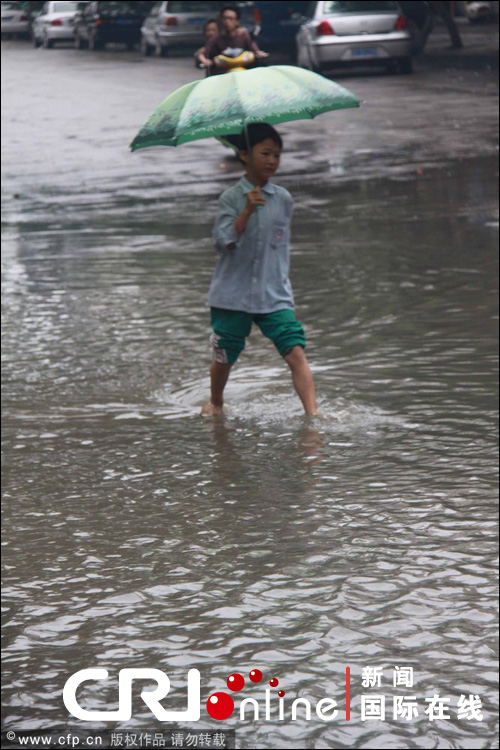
{"x": 231, "y": 327}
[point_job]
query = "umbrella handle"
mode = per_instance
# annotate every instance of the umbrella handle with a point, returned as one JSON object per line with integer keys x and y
{"x": 250, "y": 162}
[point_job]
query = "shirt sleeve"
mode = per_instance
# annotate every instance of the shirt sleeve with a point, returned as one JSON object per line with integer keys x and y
{"x": 225, "y": 233}
{"x": 212, "y": 48}
{"x": 248, "y": 41}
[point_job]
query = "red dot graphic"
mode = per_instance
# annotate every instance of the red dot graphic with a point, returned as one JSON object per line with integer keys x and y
{"x": 255, "y": 675}
{"x": 281, "y": 693}
{"x": 274, "y": 682}
{"x": 235, "y": 681}
{"x": 220, "y": 706}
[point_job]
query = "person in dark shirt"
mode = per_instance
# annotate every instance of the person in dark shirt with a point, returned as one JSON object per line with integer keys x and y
{"x": 232, "y": 37}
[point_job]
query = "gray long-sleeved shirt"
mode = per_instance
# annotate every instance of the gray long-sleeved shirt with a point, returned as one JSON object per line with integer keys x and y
{"x": 253, "y": 277}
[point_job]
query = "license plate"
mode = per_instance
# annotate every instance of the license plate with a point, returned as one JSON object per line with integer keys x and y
{"x": 365, "y": 52}
{"x": 7, "y": 18}
{"x": 196, "y": 21}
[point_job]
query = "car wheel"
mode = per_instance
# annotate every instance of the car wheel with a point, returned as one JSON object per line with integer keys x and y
{"x": 405, "y": 65}
{"x": 130, "y": 46}
{"x": 160, "y": 50}
{"x": 146, "y": 49}
{"x": 36, "y": 42}
{"x": 47, "y": 43}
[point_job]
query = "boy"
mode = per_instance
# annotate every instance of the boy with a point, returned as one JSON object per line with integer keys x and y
{"x": 250, "y": 283}
{"x": 210, "y": 31}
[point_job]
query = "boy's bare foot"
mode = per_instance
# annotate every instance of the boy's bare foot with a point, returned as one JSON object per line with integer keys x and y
{"x": 209, "y": 410}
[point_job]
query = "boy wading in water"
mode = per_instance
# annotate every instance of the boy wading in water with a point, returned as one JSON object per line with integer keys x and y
{"x": 250, "y": 283}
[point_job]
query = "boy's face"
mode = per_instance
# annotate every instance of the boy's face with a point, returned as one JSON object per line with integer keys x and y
{"x": 229, "y": 21}
{"x": 265, "y": 158}
{"x": 211, "y": 30}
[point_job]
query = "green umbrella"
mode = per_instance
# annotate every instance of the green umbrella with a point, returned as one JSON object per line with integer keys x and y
{"x": 224, "y": 104}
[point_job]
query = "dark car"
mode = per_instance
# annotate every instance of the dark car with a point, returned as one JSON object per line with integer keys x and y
{"x": 103, "y": 22}
{"x": 279, "y": 23}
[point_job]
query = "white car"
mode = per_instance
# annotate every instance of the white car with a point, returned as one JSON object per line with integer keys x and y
{"x": 55, "y": 22}
{"x": 353, "y": 33}
{"x": 479, "y": 11}
{"x": 14, "y": 19}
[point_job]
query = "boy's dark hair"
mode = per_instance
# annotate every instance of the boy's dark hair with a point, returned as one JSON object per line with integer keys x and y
{"x": 234, "y": 8}
{"x": 258, "y": 132}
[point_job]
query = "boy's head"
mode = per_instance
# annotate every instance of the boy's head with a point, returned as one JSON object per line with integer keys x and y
{"x": 265, "y": 145}
{"x": 230, "y": 17}
{"x": 210, "y": 28}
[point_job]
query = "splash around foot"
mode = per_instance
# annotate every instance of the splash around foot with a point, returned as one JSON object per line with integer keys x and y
{"x": 213, "y": 412}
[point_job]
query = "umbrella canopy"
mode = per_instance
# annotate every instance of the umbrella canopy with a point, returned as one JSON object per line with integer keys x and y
{"x": 221, "y": 105}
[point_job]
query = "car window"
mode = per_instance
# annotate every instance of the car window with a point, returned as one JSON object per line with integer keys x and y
{"x": 65, "y": 7}
{"x": 10, "y": 6}
{"x": 359, "y": 7}
{"x": 192, "y": 6}
{"x": 116, "y": 8}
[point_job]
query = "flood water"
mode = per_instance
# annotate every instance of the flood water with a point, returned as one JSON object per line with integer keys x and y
{"x": 138, "y": 534}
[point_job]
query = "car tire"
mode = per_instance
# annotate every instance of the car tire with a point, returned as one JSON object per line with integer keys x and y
{"x": 405, "y": 66}
{"x": 146, "y": 48}
{"x": 160, "y": 50}
{"x": 36, "y": 42}
{"x": 47, "y": 43}
{"x": 130, "y": 46}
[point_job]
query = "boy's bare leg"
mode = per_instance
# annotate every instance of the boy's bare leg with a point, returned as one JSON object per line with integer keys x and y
{"x": 219, "y": 374}
{"x": 302, "y": 380}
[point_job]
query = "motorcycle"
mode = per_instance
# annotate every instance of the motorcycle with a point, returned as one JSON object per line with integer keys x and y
{"x": 234, "y": 59}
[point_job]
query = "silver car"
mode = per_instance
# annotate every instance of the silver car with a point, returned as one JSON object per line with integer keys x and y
{"x": 55, "y": 22}
{"x": 353, "y": 33}
{"x": 15, "y": 20}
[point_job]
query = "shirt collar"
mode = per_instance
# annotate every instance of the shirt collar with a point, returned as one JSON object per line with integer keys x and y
{"x": 247, "y": 186}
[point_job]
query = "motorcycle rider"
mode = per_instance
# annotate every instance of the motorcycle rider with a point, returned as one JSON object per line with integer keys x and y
{"x": 233, "y": 37}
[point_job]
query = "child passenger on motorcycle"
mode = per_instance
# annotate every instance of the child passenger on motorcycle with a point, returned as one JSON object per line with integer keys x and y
{"x": 233, "y": 37}
{"x": 210, "y": 30}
